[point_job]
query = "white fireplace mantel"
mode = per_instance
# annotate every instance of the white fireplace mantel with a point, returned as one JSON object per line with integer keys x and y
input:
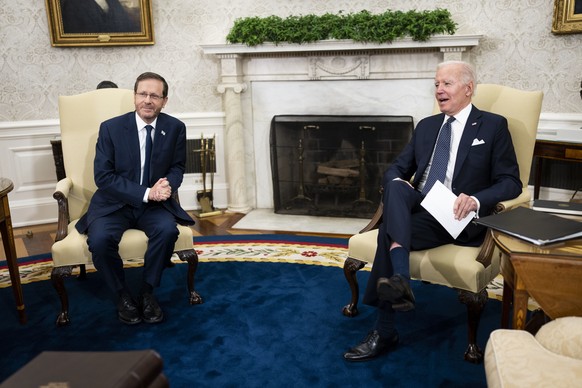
{"x": 444, "y": 43}
{"x": 326, "y": 77}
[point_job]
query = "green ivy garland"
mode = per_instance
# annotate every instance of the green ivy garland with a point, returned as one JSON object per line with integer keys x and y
{"x": 361, "y": 27}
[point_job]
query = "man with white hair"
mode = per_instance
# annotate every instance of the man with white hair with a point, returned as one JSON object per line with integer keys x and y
{"x": 471, "y": 153}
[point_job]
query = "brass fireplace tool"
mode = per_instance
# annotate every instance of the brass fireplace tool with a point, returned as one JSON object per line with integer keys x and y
{"x": 300, "y": 199}
{"x": 205, "y": 196}
{"x": 362, "y": 201}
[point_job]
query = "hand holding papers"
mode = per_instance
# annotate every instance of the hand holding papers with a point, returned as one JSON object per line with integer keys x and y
{"x": 439, "y": 203}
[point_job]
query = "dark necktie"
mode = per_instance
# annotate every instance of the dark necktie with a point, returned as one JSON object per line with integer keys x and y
{"x": 148, "y": 156}
{"x": 440, "y": 159}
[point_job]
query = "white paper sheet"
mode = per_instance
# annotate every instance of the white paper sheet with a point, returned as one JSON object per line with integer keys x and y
{"x": 439, "y": 202}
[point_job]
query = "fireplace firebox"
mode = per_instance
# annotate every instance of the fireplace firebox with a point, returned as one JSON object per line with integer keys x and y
{"x": 325, "y": 165}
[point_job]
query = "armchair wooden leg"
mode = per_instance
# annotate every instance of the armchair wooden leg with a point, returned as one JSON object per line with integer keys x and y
{"x": 475, "y": 303}
{"x": 57, "y": 276}
{"x": 507, "y": 299}
{"x": 191, "y": 257}
{"x": 351, "y": 266}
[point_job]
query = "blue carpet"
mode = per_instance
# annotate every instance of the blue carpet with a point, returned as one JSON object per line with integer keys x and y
{"x": 28, "y": 260}
{"x": 262, "y": 325}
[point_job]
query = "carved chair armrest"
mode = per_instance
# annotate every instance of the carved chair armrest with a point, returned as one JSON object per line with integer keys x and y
{"x": 525, "y": 196}
{"x": 377, "y": 217}
{"x": 485, "y": 254}
{"x": 61, "y": 194}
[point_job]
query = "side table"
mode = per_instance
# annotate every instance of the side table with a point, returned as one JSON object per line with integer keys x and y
{"x": 6, "y": 186}
{"x": 550, "y": 274}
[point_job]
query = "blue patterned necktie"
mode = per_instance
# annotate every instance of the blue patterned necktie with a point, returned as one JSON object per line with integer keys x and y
{"x": 148, "y": 156}
{"x": 440, "y": 159}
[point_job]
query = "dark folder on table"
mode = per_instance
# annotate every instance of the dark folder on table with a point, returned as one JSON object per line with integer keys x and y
{"x": 562, "y": 207}
{"x": 537, "y": 227}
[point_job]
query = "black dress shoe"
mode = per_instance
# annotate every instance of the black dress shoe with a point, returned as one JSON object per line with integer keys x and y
{"x": 397, "y": 291}
{"x": 127, "y": 310}
{"x": 151, "y": 311}
{"x": 371, "y": 347}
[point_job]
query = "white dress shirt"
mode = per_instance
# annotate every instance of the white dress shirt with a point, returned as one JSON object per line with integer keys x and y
{"x": 142, "y": 133}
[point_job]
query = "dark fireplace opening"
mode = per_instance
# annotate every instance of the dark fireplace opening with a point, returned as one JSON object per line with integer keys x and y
{"x": 333, "y": 165}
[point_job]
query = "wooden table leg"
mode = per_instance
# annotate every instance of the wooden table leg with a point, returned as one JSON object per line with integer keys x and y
{"x": 506, "y": 304}
{"x": 508, "y": 273}
{"x": 520, "y": 299}
{"x": 11, "y": 259}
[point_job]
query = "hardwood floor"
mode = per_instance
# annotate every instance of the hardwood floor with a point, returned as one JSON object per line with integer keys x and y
{"x": 36, "y": 240}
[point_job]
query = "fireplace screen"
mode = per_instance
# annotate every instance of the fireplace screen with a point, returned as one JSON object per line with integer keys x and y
{"x": 333, "y": 165}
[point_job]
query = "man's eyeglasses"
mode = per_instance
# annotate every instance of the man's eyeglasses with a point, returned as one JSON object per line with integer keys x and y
{"x": 153, "y": 97}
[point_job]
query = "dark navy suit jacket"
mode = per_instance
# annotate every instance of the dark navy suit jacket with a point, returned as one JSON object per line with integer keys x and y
{"x": 117, "y": 166}
{"x": 486, "y": 165}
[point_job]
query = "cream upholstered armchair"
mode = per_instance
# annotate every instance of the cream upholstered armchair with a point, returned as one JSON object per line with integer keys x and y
{"x": 551, "y": 358}
{"x": 80, "y": 118}
{"x": 467, "y": 269}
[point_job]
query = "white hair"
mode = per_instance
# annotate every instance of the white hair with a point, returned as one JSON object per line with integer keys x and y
{"x": 468, "y": 73}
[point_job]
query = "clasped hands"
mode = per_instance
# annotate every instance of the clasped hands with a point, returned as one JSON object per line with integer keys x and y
{"x": 160, "y": 191}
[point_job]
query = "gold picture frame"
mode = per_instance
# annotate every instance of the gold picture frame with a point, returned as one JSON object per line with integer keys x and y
{"x": 81, "y": 23}
{"x": 567, "y": 17}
